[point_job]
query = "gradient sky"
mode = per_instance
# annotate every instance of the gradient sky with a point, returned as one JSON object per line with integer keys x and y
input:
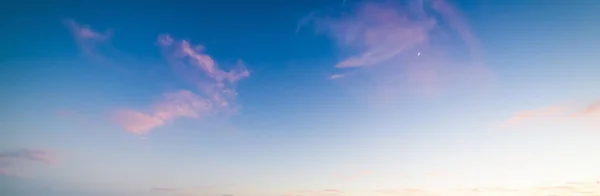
{"x": 300, "y": 98}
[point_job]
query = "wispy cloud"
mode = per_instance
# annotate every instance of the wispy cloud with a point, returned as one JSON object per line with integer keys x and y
{"x": 403, "y": 41}
{"x": 332, "y": 190}
{"x": 12, "y": 158}
{"x": 172, "y": 105}
{"x": 202, "y": 71}
{"x": 85, "y": 35}
{"x": 571, "y": 188}
{"x": 533, "y": 114}
{"x": 97, "y": 46}
{"x": 379, "y": 32}
{"x": 402, "y": 192}
{"x": 591, "y": 109}
{"x": 558, "y": 113}
{"x": 88, "y": 39}
{"x": 323, "y": 192}
{"x": 213, "y": 89}
{"x": 183, "y": 190}
{"x": 36, "y": 155}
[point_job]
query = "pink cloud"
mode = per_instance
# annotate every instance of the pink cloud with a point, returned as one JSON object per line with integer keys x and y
{"x": 533, "y": 114}
{"x": 380, "y": 32}
{"x": 86, "y": 37}
{"x": 82, "y": 32}
{"x": 589, "y": 110}
{"x": 213, "y": 92}
{"x": 172, "y": 105}
{"x": 202, "y": 71}
{"x": 588, "y": 117}
{"x": 96, "y": 46}
{"x": 403, "y": 45}
{"x": 136, "y": 122}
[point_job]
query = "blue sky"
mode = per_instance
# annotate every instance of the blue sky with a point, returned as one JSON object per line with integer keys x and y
{"x": 300, "y": 98}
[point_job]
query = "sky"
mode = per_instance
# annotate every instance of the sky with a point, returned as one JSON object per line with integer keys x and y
{"x": 300, "y": 98}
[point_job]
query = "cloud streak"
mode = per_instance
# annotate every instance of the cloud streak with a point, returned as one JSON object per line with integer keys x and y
{"x": 533, "y": 114}
{"x": 323, "y": 192}
{"x": 405, "y": 44}
{"x": 570, "y": 188}
{"x": 35, "y": 155}
{"x": 555, "y": 114}
{"x": 202, "y": 71}
{"x": 183, "y": 190}
{"x": 213, "y": 90}
{"x": 9, "y": 159}
{"x": 94, "y": 44}
{"x": 173, "y": 105}
{"x": 591, "y": 109}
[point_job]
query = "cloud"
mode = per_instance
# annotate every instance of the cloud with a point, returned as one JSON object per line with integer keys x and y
{"x": 164, "y": 189}
{"x": 570, "y": 188}
{"x": 87, "y": 38}
{"x": 323, "y": 192}
{"x": 97, "y": 47}
{"x": 136, "y": 122}
{"x": 332, "y": 190}
{"x": 202, "y": 71}
{"x": 405, "y": 44}
{"x": 172, "y": 105}
{"x": 213, "y": 90}
{"x": 84, "y": 34}
{"x": 379, "y": 32}
{"x": 35, "y": 155}
{"x": 183, "y": 190}
{"x": 590, "y": 110}
{"x": 589, "y": 116}
{"x": 405, "y": 192}
{"x": 533, "y": 114}
{"x": 12, "y": 158}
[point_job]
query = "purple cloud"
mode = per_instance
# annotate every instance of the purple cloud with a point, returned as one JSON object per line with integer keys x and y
{"x": 35, "y": 155}
{"x": 213, "y": 89}
{"x": 87, "y": 38}
{"x": 404, "y": 45}
{"x": 589, "y": 116}
{"x": 172, "y": 105}
{"x": 8, "y": 159}
{"x": 203, "y": 72}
